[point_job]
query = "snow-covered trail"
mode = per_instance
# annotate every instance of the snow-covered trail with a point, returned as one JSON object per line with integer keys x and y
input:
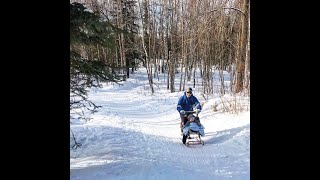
{"x": 134, "y": 136}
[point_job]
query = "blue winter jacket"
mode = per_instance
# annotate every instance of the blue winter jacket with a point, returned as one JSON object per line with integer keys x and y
{"x": 187, "y": 104}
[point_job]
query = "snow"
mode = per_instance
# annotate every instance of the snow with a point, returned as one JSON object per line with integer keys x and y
{"x": 136, "y": 135}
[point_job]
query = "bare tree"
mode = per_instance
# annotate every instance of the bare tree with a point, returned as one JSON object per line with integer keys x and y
{"x": 242, "y": 46}
{"x": 145, "y": 27}
{"x": 181, "y": 36}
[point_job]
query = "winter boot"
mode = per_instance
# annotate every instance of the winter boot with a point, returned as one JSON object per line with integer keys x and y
{"x": 184, "y": 139}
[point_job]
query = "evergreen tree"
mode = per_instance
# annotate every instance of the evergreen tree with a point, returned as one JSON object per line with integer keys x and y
{"x": 88, "y": 33}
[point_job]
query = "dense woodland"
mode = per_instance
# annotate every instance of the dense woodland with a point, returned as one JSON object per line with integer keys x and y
{"x": 109, "y": 39}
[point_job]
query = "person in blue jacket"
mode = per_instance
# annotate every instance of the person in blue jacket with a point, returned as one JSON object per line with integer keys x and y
{"x": 186, "y": 103}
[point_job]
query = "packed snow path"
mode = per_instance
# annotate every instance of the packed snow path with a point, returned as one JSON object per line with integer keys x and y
{"x": 136, "y": 136}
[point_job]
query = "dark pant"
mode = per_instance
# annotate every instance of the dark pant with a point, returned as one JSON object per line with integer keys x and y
{"x": 184, "y": 120}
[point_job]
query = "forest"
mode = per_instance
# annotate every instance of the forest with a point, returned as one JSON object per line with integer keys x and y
{"x": 109, "y": 39}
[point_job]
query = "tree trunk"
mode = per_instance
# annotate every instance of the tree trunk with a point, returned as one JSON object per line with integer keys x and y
{"x": 242, "y": 47}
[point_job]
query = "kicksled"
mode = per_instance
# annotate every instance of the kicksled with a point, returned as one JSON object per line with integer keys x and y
{"x": 192, "y": 131}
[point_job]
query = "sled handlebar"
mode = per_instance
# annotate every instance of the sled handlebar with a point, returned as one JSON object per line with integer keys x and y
{"x": 191, "y": 112}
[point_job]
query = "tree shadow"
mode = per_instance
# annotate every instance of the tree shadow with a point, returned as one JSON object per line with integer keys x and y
{"x": 219, "y": 137}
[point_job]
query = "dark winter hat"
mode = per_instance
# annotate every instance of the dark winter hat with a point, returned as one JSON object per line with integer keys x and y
{"x": 189, "y": 89}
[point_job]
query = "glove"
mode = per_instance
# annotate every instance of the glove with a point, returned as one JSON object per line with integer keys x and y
{"x": 182, "y": 112}
{"x": 198, "y": 111}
